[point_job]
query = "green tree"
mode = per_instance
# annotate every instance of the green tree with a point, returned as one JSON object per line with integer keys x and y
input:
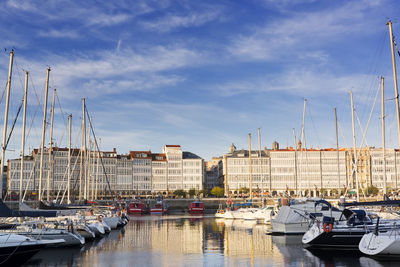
{"x": 204, "y": 192}
{"x": 372, "y": 190}
{"x": 217, "y": 191}
{"x": 323, "y": 191}
{"x": 180, "y": 192}
{"x": 192, "y": 192}
{"x": 244, "y": 190}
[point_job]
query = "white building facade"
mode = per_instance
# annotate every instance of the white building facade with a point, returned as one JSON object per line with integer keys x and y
{"x": 137, "y": 172}
{"x": 285, "y": 170}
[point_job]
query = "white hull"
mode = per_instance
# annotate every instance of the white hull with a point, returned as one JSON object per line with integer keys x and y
{"x": 383, "y": 244}
{"x": 112, "y": 222}
{"x": 288, "y": 228}
{"x": 97, "y": 228}
{"x": 69, "y": 238}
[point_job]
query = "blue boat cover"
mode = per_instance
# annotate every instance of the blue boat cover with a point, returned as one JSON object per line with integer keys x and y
{"x": 5, "y": 211}
{"x": 322, "y": 202}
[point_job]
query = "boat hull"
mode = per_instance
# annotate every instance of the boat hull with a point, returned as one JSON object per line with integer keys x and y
{"x": 288, "y": 228}
{"x": 16, "y": 256}
{"x": 196, "y": 210}
{"x": 158, "y": 211}
{"x": 337, "y": 238}
{"x": 382, "y": 244}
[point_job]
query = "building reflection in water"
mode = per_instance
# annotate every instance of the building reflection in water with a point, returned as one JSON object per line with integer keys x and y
{"x": 193, "y": 241}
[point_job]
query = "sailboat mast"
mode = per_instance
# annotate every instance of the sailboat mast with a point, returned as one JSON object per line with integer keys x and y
{"x": 97, "y": 168}
{"x": 83, "y": 145}
{"x": 337, "y": 150}
{"x": 23, "y": 136}
{"x": 295, "y": 162}
{"x": 303, "y": 143}
{"x": 250, "y": 170}
{"x": 354, "y": 144}
{"x": 383, "y": 136}
{"x": 3, "y": 147}
{"x": 43, "y": 134}
{"x": 396, "y": 90}
{"x": 93, "y": 154}
{"x": 69, "y": 160}
{"x": 260, "y": 161}
{"x": 50, "y": 171}
{"x": 88, "y": 179}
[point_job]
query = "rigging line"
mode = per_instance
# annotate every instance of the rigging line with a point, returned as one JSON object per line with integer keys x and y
{"x": 4, "y": 91}
{"x": 313, "y": 124}
{"x": 377, "y": 62}
{"x": 63, "y": 116}
{"x": 373, "y": 70}
{"x": 342, "y": 132}
{"x": 65, "y": 174}
{"x": 80, "y": 151}
{"x": 37, "y": 107}
{"x": 14, "y": 122}
{"x": 364, "y": 134}
{"x": 369, "y": 119}
{"x": 359, "y": 125}
{"x": 101, "y": 158}
{"x": 30, "y": 178}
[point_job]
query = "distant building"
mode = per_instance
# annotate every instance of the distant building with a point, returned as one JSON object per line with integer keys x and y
{"x": 392, "y": 157}
{"x": 285, "y": 171}
{"x": 214, "y": 173}
{"x": 139, "y": 172}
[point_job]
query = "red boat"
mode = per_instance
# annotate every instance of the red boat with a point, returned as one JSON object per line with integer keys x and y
{"x": 196, "y": 207}
{"x": 159, "y": 208}
{"x": 137, "y": 207}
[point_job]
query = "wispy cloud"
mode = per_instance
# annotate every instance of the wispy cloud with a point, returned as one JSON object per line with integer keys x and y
{"x": 59, "y": 34}
{"x": 302, "y": 31}
{"x": 301, "y": 82}
{"x": 171, "y": 22}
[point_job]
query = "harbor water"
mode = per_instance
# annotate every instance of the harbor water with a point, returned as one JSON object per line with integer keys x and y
{"x": 184, "y": 240}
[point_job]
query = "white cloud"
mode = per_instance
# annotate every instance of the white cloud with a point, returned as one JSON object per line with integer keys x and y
{"x": 302, "y": 31}
{"x": 173, "y": 21}
{"x": 301, "y": 82}
{"x": 59, "y": 34}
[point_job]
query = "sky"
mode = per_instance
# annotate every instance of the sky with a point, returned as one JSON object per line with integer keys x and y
{"x": 201, "y": 74}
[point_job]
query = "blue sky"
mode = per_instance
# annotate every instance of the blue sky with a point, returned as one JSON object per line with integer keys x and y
{"x": 202, "y": 74}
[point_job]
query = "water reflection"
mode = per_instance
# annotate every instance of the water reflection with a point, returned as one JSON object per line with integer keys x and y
{"x": 196, "y": 241}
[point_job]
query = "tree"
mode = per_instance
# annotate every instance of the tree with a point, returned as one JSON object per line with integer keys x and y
{"x": 244, "y": 190}
{"x": 217, "y": 191}
{"x": 372, "y": 190}
{"x": 180, "y": 192}
{"x": 192, "y": 192}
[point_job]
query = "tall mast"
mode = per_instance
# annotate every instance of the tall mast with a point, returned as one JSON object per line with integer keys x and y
{"x": 260, "y": 162}
{"x": 97, "y": 171}
{"x": 295, "y": 162}
{"x": 337, "y": 150}
{"x": 383, "y": 136}
{"x": 396, "y": 91}
{"x": 23, "y": 136}
{"x": 250, "y": 170}
{"x": 88, "y": 179}
{"x": 69, "y": 160}
{"x": 3, "y": 147}
{"x": 303, "y": 144}
{"x": 50, "y": 171}
{"x": 83, "y": 146}
{"x": 354, "y": 144}
{"x": 43, "y": 134}
{"x": 92, "y": 163}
